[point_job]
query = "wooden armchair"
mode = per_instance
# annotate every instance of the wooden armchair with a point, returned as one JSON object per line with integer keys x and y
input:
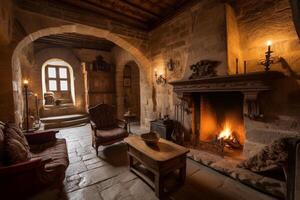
{"x": 107, "y": 129}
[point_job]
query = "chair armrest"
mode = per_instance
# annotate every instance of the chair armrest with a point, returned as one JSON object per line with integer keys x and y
{"x": 32, "y": 164}
{"x": 40, "y": 137}
{"x": 123, "y": 123}
{"x": 293, "y": 176}
{"x": 93, "y": 125}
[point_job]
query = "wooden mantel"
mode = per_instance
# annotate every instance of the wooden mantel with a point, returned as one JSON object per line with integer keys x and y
{"x": 250, "y": 85}
{"x": 251, "y": 82}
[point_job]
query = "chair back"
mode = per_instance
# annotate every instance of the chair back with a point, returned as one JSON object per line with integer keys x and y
{"x": 103, "y": 115}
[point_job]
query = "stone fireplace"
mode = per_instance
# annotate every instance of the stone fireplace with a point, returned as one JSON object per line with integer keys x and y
{"x": 218, "y": 121}
{"x": 221, "y": 106}
{"x": 233, "y": 118}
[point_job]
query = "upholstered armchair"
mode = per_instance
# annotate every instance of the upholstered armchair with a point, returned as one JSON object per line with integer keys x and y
{"x": 45, "y": 168}
{"x": 107, "y": 129}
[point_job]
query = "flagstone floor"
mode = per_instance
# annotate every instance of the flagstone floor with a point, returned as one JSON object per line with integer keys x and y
{"x": 107, "y": 177}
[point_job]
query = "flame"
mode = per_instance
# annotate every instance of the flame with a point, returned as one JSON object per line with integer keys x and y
{"x": 226, "y": 133}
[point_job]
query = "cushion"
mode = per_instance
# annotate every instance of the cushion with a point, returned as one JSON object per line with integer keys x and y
{"x": 55, "y": 168}
{"x": 271, "y": 157}
{"x": 16, "y": 145}
{"x": 2, "y": 143}
{"x": 111, "y": 134}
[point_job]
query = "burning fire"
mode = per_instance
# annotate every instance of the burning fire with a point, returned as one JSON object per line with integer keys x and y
{"x": 226, "y": 133}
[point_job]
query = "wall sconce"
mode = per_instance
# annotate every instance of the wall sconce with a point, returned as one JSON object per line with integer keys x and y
{"x": 269, "y": 60}
{"x": 160, "y": 79}
{"x": 170, "y": 65}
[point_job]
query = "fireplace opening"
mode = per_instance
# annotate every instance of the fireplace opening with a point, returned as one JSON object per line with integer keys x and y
{"x": 218, "y": 122}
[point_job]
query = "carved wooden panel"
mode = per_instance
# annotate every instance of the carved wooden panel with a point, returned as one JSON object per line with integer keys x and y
{"x": 101, "y": 87}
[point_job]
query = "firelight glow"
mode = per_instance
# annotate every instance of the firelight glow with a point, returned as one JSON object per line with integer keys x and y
{"x": 226, "y": 133}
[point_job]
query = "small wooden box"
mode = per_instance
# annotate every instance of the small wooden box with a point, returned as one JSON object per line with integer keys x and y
{"x": 163, "y": 127}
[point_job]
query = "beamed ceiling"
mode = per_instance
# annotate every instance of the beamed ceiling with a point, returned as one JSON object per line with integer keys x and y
{"x": 142, "y": 14}
{"x": 73, "y": 40}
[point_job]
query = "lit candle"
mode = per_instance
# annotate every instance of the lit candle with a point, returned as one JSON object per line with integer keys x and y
{"x": 269, "y": 43}
{"x": 25, "y": 82}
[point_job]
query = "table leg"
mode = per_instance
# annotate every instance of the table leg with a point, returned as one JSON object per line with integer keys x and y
{"x": 130, "y": 158}
{"x": 159, "y": 186}
{"x": 182, "y": 174}
{"x": 129, "y": 131}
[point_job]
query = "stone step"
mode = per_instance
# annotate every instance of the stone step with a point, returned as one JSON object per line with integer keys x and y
{"x": 60, "y": 118}
{"x": 64, "y": 121}
{"x": 50, "y": 111}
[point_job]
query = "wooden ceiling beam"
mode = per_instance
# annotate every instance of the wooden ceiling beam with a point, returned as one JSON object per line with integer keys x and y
{"x": 73, "y": 45}
{"x": 57, "y": 8}
{"x": 141, "y": 9}
{"x": 73, "y": 40}
{"x": 104, "y": 10}
{"x": 175, "y": 10}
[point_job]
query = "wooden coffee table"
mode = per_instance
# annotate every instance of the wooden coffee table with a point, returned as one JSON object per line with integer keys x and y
{"x": 166, "y": 157}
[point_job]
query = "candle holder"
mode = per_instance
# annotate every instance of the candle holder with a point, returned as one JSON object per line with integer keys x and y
{"x": 269, "y": 59}
{"x": 160, "y": 79}
{"x": 25, "y": 84}
{"x": 171, "y": 65}
{"x": 37, "y": 107}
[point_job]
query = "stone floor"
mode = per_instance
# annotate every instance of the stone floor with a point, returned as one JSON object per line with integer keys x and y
{"x": 107, "y": 176}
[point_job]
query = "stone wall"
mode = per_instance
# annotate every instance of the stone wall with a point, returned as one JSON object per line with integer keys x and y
{"x": 90, "y": 55}
{"x": 258, "y": 22}
{"x": 121, "y": 58}
{"x": 217, "y": 31}
{"x": 209, "y": 29}
{"x": 6, "y": 99}
{"x": 233, "y": 43}
{"x": 6, "y": 21}
{"x": 195, "y": 34}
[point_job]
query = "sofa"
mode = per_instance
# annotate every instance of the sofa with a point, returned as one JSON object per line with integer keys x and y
{"x": 42, "y": 167}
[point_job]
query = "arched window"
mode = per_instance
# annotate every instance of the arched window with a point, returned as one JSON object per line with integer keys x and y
{"x": 58, "y": 80}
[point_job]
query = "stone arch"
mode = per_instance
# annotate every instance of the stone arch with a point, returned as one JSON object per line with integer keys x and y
{"x": 295, "y": 4}
{"x": 143, "y": 62}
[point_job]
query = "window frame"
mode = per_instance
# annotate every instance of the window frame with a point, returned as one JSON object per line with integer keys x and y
{"x": 57, "y": 78}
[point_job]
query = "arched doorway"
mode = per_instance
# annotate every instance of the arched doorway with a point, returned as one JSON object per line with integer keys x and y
{"x": 145, "y": 81}
{"x": 131, "y": 87}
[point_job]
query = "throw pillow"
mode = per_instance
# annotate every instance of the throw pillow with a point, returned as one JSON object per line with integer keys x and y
{"x": 16, "y": 145}
{"x": 271, "y": 157}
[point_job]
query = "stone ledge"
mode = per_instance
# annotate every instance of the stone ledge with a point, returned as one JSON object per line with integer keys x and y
{"x": 228, "y": 167}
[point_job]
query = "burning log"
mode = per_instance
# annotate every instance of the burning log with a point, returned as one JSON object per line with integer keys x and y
{"x": 231, "y": 142}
